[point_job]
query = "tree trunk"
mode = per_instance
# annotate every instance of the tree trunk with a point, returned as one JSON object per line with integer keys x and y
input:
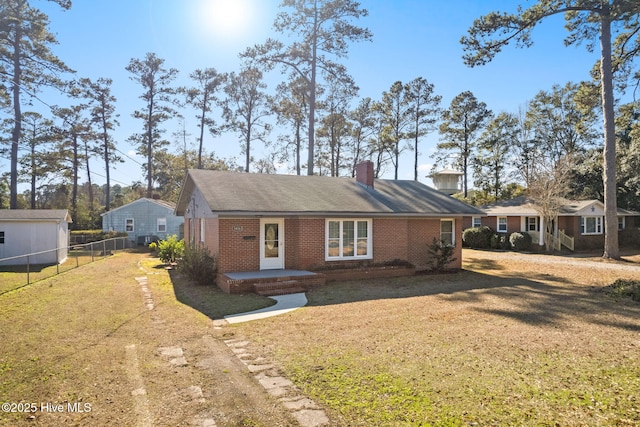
{"x": 611, "y": 249}
{"x": 33, "y": 172}
{"x": 150, "y": 146}
{"x": 17, "y": 119}
{"x": 107, "y": 192}
{"x": 312, "y": 93}
{"x": 202, "y": 123}
{"x": 298, "y": 124}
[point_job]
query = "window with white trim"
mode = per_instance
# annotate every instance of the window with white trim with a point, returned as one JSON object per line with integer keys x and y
{"x": 162, "y": 225}
{"x": 348, "y": 239}
{"x": 476, "y": 222}
{"x": 502, "y": 224}
{"x": 447, "y": 232}
{"x": 591, "y": 225}
{"x": 621, "y": 223}
{"x": 129, "y": 225}
{"x": 532, "y": 223}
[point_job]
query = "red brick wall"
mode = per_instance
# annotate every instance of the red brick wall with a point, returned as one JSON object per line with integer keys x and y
{"x": 239, "y": 250}
{"x": 211, "y": 236}
{"x": 304, "y": 243}
{"x": 390, "y": 239}
{"x": 393, "y": 239}
{"x": 407, "y": 239}
{"x": 513, "y": 223}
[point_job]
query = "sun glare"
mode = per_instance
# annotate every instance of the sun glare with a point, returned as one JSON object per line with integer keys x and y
{"x": 227, "y": 19}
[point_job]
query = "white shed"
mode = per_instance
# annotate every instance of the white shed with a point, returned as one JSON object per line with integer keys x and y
{"x": 29, "y": 231}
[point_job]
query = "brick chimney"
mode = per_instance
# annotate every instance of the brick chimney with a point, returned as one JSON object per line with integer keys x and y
{"x": 364, "y": 173}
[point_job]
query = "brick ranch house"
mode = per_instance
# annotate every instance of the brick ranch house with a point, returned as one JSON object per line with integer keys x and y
{"x": 581, "y": 221}
{"x": 285, "y": 224}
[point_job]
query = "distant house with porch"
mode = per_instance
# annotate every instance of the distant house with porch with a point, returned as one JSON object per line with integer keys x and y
{"x": 259, "y": 222}
{"x": 43, "y": 232}
{"x": 144, "y": 220}
{"x": 580, "y": 224}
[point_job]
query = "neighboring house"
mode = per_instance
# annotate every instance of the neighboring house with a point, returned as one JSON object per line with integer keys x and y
{"x": 28, "y": 231}
{"x": 144, "y": 220}
{"x": 258, "y": 222}
{"x": 582, "y": 222}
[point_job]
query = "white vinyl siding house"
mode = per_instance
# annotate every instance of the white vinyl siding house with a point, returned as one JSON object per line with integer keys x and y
{"x": 42, "y": 232}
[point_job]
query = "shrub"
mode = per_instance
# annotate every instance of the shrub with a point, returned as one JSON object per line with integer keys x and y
{"x": 477, "y": 237}
{"x": 441, "y": 254}
{"x": 199, "y": 265}
{"x": 170, "y": 250}
{"x": 520, "y": 241}
{"x": 500, "y": 241}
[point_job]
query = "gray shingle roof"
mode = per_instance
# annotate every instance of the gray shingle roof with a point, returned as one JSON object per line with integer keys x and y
{"x": 35, "y": 214}
{"x": 522, "y": 206}
{"x": 163, "y": 203}
{"x": 237, "y": 193}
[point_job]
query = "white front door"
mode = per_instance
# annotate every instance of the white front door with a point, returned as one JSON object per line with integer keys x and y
{"x": 271, "y": 243}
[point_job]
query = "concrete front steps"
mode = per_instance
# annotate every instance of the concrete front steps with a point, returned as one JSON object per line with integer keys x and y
{"x": 270, "y": 282}
{"x": 283, "y": 287}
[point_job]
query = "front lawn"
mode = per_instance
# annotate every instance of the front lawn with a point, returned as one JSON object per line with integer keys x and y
{"x": 505, "y": 342}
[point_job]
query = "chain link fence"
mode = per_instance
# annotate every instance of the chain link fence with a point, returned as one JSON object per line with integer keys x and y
{"x": 19, "y": 271}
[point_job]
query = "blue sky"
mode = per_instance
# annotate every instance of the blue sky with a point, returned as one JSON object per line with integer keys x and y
{"x": 411, "y": 38}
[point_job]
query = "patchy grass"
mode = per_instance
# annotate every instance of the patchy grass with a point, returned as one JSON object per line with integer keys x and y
{"x": 508, "y": 341}
{"x": 212, "y": 301}
{"x": 68, "y": 339}
{"x": 16, "y": 276}
{"x": 625, "y": 289}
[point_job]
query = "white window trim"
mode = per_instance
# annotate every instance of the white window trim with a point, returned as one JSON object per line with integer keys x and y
{"x": 202, "y": 229}
{"x": 355, "y": 256}
{"x": 473, "y": 221}
{"x": 160, "y": 222}
{"x": 506, "y": 224}
{"x": 583, "y": 225}
{"x": 534, "y": 223}
{"x": 453, "y": 230}
{"x": 133, "y": 225}
{"x": 622, "y": 224}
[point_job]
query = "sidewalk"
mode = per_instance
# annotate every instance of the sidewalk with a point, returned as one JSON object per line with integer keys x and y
{"x": 284, "y": 304}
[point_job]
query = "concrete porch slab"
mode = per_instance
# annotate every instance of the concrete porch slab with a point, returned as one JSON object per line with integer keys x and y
{"x": 267, "y": 274}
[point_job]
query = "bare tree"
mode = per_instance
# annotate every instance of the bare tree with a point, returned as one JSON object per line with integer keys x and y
{"x": 548, "y": 186}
